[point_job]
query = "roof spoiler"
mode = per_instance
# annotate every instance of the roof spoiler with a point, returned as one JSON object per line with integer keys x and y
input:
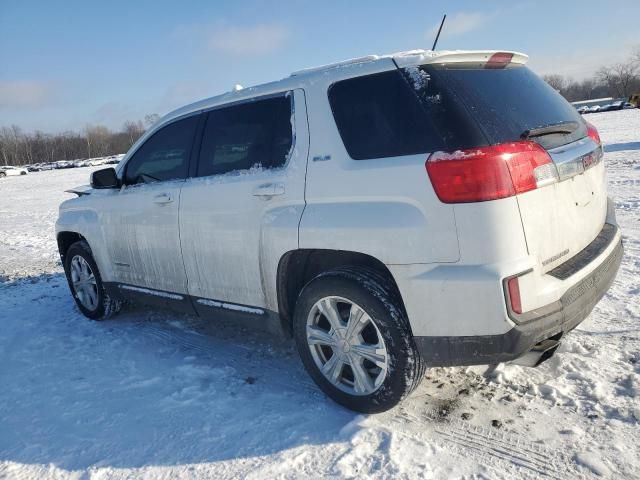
{"x": 421, "y": 57}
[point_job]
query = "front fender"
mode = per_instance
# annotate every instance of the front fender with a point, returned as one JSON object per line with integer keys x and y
{"x": 83, "y": 220}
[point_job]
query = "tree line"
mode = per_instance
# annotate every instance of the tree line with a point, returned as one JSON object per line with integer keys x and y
{"x": 618, "y": 80}
{"x": 22, "y": 148}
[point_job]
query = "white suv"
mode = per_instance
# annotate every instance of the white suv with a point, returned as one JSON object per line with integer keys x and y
{"x": 390, "y": 213}
{"x": 6, "y": 171}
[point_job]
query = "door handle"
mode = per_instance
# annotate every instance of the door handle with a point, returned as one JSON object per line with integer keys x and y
{"x": 268, "y": 190}
{"x": 162, "y": 199}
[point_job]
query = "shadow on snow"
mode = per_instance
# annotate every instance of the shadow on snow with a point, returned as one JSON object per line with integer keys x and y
{"x": 146, "y": 388}
{"x": 619, "y": 147}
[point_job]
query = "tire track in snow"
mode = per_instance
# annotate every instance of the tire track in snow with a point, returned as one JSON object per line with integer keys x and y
{"x": 504, "y": 452}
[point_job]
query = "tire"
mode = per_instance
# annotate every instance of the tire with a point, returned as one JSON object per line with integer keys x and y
{"x": 384, "y": 319}
{"x": 3, "y": 174}
{"x": 104, "y": 306}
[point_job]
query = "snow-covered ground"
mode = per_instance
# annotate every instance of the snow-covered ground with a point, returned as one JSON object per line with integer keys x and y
{"x": 155, "y": 395}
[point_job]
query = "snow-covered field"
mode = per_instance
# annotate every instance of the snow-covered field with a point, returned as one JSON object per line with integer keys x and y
{"x": 155, "y": 395}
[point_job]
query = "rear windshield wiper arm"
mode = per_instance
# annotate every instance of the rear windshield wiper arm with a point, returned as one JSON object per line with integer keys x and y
{"x": 562, "y": 127}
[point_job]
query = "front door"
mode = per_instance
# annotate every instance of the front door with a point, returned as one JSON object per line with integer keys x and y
{"x": 140, "y": 221}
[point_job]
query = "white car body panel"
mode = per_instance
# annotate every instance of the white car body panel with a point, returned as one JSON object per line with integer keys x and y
{"x": 234, "y": 233}
{"x": 140, "y": 227}
{"x": 385, "y": 208}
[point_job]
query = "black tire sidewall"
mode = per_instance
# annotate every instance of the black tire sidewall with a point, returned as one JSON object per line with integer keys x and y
{"x": 391, "y": 322}
{"x": 82, "y": 248}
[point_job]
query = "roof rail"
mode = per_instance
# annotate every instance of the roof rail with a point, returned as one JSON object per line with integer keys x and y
{"x": 352, "y": 61}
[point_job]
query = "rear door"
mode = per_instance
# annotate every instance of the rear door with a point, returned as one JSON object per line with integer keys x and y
{"x": 241, "y": 211}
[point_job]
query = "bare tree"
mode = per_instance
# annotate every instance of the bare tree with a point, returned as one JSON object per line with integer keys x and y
{"x": 620, "y": 78}
{"x": 20, "y": 148}
{"x": 151, "y": 119}
{"x": 557, "y": 82}
{"x": 133, "y": 130}
{"x": 635, "y": 56}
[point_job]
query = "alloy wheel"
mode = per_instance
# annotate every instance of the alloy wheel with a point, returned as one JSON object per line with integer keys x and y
{"x": 347, "y": 346}
{"x": 84, "y": 283}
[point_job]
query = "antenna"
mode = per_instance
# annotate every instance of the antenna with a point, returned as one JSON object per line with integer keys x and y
{"x": 435, "y": 42}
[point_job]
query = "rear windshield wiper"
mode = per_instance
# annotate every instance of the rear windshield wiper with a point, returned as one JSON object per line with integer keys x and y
{"x": 561, "y": 127}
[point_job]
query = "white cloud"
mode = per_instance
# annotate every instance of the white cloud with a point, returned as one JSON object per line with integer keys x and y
{"x": 252, "y": 40}
{"x": 577, "y": 64}
{"x": 24, "y": 94}
{"x": 459, "y": 24}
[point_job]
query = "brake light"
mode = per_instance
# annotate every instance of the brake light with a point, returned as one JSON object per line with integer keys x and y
{"x": 499, "y": 60}
{"x": 513, "y": 287}
{"x": 490, "y": 173}
{"x": 593, "y": 134}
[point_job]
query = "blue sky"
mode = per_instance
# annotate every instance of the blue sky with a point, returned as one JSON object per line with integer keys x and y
{"x": 66, "y": 64}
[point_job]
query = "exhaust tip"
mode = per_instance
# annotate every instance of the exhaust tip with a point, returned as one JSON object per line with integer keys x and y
{"x": 540, "y": 352}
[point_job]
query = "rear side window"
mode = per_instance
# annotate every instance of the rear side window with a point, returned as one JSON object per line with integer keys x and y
{"x": 381, "y": 115}
{"x": 165, "y": 155}
{"x": 240, "y": 137}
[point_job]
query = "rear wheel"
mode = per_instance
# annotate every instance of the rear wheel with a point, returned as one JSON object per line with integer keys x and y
{"x": 86, "y": 284}
{"x": 3, "y": 174}
{"x": 355, "y": 341}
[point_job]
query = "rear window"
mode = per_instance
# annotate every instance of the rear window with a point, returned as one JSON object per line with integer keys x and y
{"x": 508, "y": 102}
{"x": 447, "y": 107}
{"x": 380, "y": 115}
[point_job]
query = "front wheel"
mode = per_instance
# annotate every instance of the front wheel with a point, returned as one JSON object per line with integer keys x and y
{"x": 355, "y": 341}
{"x": 86, "y": 284}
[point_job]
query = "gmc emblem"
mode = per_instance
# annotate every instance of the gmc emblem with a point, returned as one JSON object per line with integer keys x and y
{"x": 589, "y": 160}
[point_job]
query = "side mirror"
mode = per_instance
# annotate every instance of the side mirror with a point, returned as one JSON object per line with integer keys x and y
{"x": 105, "y": 178}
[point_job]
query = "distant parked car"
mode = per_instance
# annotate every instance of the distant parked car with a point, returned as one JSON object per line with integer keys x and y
{"x": 594, "y": 109}
{"x": 582, "y": 110}
{"x": 93, "y": 162}
{"x": 63, "y": 164}
{"x": 12, "y": 171}
{"x": 627, "y": 105}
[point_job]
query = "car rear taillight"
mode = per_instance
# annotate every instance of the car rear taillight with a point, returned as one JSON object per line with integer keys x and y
{"x": 513, "y": 287}
{"x": 593, "y": 134}
{"x": 490, "y": 173}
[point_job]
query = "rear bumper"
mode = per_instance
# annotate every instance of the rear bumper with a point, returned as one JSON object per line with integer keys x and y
{"x": 553, "y": 320}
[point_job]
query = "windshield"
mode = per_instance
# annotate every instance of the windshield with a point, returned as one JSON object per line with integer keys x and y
{"x": 508, "y": 103}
